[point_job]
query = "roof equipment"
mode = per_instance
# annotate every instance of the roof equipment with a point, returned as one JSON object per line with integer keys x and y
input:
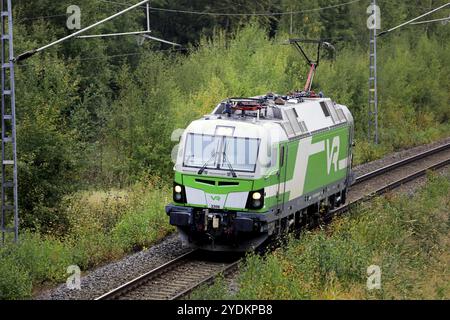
{"x": 313, "y": 64}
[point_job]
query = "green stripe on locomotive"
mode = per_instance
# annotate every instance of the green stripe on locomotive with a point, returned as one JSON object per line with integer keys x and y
{"x": 324, "y": 168}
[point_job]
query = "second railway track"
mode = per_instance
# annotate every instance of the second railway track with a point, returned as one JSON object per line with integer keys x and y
{"x": 371, "y": 182}
{"x": 179, "y": 277}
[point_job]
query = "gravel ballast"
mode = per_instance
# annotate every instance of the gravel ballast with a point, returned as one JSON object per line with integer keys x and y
{"x": 101, "y": 280}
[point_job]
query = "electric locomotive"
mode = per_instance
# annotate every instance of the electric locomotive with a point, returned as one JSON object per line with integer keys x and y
{"x": 257, "y": 167}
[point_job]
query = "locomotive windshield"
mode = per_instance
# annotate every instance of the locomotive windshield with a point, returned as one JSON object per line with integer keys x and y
{"x": 219, "y": 152}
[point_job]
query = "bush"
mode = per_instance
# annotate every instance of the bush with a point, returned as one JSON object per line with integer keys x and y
{"x": 35, "y": 260}
{"x": 15, "y": 283}
{"x": 146, "y": 224}
{"x": 366, "y": 151}
{"x": 216, "y": 291}
{"x": 103, "y": 226}
{"x": 44, "y": 257}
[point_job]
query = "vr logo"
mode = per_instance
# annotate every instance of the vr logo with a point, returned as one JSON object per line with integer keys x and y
{"x": 215, "y": 198}
{"x": 333, "y": 153}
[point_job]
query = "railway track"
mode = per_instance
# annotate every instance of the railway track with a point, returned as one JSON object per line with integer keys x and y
{"x": 395, "y": 174}
{"x": 375, "y": 183}
{"x": 179, "y": 277}
{"x": 174, "y": 279}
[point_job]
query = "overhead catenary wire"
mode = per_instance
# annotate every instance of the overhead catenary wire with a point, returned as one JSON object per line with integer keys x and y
{"x": 43, "y": 17}
{"x": 413, "y": 20}
{"x": 238, "y": 13}
{"x": 434, "y": 20}
{"x": 30, "y": 53}
{"x": 200, "y": 12}
{"x": 141, "y": 4}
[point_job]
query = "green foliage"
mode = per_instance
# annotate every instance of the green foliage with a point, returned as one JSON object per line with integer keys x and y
{"x": 44, "y": 257}
{"x": 216, "y": 291}
{"x": 35, "y": 260}
{"x": 247, "y": 64}
{"x": 14, "y": 282}
{"x": 139, "y": 125}
{"x": 47, "y": 148}
{"x": 145, "y": 226}
{"x": 189, "y": 28}
{"x": 103, "y": 226}
{"x": 365, "y": 151}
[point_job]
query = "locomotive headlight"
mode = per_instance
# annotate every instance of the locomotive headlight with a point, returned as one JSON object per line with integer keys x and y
{"x": 256, "y": 196}
{"x": 179, "y": 195}
{"x": 255, "y": 200}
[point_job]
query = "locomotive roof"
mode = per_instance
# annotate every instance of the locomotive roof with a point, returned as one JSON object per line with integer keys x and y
{"x": 297, "y": 116}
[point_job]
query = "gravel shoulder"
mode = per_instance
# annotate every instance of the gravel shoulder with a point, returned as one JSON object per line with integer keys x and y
{"x": 101, "y": 280}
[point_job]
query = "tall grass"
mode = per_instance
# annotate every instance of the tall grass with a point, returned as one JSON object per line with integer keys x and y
{"x": 103, "y": 226}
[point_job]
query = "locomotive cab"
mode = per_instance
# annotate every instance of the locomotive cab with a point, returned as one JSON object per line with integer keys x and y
{"x": 218, "y": 194}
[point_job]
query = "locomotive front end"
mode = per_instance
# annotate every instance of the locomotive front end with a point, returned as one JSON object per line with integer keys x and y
{"x": 219, "y": 197}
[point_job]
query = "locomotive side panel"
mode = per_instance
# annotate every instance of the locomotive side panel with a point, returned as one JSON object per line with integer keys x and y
{"x": 330, "y": 161}
{"x": 315, "y": 162}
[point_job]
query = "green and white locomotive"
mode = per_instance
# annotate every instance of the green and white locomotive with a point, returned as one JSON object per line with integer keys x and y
{"x": 257, "y": 167}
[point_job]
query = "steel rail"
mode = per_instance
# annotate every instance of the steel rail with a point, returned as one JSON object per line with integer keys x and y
{"x": 142, "y": 279}
{"x": 401, "y": 163}
{"x": 209, "y": 280}
{"x": 393, "y": 185}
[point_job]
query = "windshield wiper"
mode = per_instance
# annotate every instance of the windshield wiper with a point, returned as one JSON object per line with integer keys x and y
{"x": 206, "y": 163}
{"x": 233, "y": 173}
{"x": 230, "y": 167}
